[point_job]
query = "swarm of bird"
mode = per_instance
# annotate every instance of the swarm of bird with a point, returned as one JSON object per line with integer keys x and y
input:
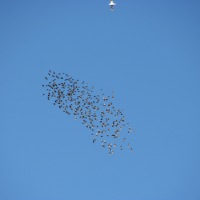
{"x": 95, "y": 111}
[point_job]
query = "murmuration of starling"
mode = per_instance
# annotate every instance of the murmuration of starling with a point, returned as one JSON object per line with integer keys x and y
{"x": 96, "y": 112}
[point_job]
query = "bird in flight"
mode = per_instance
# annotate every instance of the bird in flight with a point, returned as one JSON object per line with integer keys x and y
{"x": 112, "y": 5}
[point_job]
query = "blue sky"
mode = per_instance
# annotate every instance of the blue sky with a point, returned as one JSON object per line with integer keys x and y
{"x": 145, "y": 51}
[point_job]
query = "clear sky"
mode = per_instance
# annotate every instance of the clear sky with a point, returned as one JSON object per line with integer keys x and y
{"x": 148, "y": 52}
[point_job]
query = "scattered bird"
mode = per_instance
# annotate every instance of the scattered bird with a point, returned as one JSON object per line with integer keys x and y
{"x": 96, "y": 111}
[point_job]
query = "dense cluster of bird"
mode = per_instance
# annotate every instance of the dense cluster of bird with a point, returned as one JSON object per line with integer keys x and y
{"x": 96, "y": 111}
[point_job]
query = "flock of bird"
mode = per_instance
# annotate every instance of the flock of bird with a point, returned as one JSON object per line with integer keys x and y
{"x": 96, "y": 111}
